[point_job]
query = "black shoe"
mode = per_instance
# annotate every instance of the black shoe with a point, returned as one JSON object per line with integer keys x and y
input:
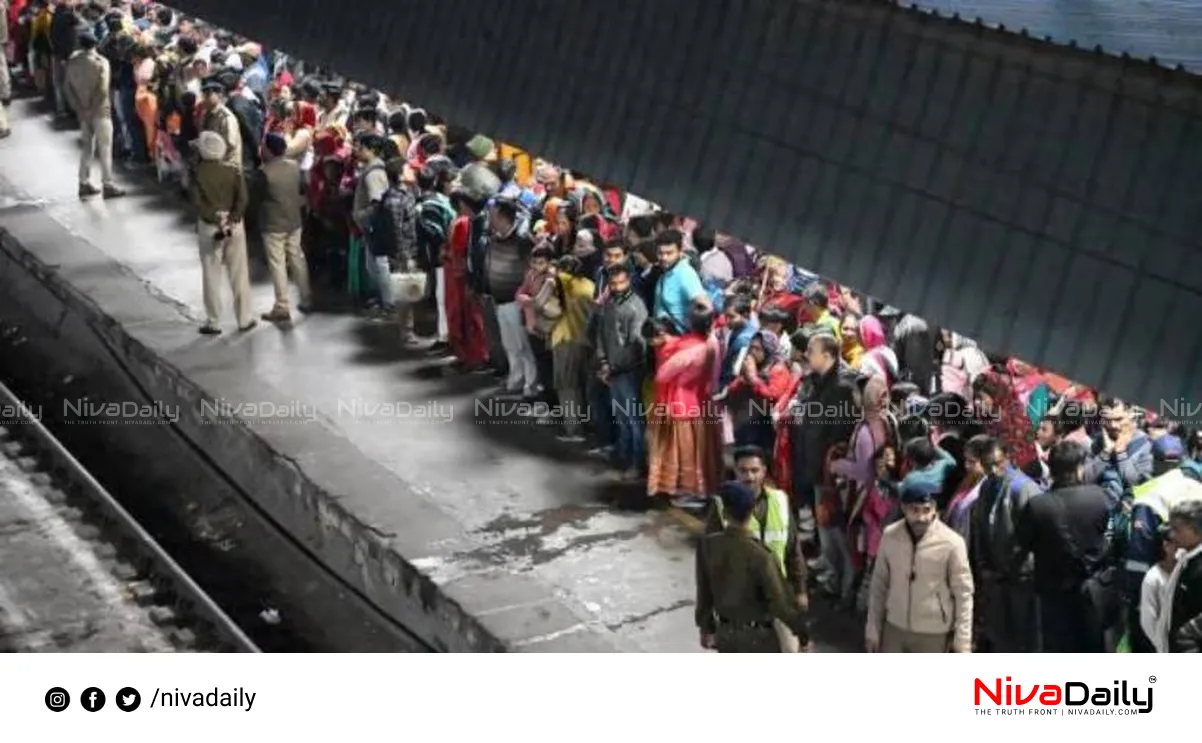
{"x": 210, "y": 330}
{"x": 249, "y": 326}
{"x": 5, "y": 133}
{"x": 113, "y": 192}
{"x": 87, "y": 190}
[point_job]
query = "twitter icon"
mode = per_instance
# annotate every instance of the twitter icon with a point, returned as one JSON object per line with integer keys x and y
{"x": 128, "y": 699}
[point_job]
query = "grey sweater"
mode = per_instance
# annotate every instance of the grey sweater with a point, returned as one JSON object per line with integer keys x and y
{"x": 619, "y": 333}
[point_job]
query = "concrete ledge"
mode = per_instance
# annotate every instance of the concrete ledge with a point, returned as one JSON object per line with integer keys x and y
{"x": 308, "y": 479}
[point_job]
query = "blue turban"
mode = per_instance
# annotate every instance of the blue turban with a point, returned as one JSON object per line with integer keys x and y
{"x": 275, "y": 144}
{"x": 737, "y": 499}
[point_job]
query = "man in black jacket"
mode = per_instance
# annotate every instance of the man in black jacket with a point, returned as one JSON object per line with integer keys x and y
{"x": 825, "y": 419}
{"x": 1065, "y": 530}
{"x": 1185, "y": 617}
{"x": 248, "y": 110}
{"x": 64, "y": 40}
{"x": 621, "y": 365}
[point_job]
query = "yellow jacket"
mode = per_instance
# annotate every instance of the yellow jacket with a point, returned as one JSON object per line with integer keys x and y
{"x": 40, "y": 25}
{"x": 577, "y": 300}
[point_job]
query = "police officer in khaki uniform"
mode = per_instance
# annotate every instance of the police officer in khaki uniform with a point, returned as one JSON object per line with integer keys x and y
{"x": 740, "y": 588}
{"x": 87, "y": 87}
{"x": 751, "y": 468}
{"x": 220, "y": 119}
{"x": 220, "y": 196}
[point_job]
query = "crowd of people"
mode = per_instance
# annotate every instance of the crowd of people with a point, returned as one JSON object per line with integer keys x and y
{"x": 956, "y": 499}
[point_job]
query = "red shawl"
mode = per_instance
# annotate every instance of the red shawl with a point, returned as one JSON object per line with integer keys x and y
{"x": 782, "y": 450}
{"x": 1011, "y": 425}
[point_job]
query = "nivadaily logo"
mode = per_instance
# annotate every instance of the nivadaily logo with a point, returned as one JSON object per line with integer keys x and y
{"x": 1069, "y": 697}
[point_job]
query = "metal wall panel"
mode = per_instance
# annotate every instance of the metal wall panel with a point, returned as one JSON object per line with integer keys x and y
{"x": 1170, "y": 30}
{"x": 1039, "y": 199}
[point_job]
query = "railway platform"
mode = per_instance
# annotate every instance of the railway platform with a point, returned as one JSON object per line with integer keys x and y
{"x": 476, "y": 532}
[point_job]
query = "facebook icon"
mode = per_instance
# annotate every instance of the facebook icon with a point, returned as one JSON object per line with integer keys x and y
{"x": 92, "y": 699}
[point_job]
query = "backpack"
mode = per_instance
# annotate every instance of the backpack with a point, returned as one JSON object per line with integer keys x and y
{"x": 433, "y": 226}
{"x": 395, "y": 224}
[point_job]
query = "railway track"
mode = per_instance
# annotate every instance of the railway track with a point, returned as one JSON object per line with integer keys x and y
{"x": 77, "y": 571}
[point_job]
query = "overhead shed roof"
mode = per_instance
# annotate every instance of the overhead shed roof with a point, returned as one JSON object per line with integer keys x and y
{"x": 1039, "y": 199}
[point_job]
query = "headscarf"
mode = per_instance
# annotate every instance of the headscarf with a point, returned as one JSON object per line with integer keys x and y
{"x": 1026, "y": 378}
{"x": 875, "y": 396}
{"x": 771, "y": 343}
{"x": 585, "y": 245}
{"x": 1032, "y": 390}
{"x": 872, "y": 333}
{"x": 1012, "y": 426}
{"x": 878, "y": 359}
{"x": 742, "y": 260}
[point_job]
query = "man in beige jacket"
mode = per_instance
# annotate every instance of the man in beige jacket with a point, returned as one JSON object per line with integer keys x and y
{"x": 920, "y": 597}
{"x": 88, "y": 93}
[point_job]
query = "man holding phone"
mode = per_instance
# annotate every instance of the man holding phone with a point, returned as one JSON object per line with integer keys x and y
{"x": 1123, "y": 457}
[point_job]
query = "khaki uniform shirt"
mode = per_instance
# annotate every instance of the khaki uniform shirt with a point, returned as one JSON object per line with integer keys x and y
{"x": 87, "y": 85}
{"x": 740, "y": 591}
{"x": 223, "y": 121}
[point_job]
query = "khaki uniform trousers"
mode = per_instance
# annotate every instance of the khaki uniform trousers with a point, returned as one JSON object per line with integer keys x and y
{"x": 897, "y": 640}
{"x": 284, "y": 253}
{"x": 96, "y": 133}
{"x": 224, "y": 257}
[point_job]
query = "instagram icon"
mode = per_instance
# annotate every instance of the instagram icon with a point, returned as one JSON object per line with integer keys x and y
{"x": 57, "y": 699}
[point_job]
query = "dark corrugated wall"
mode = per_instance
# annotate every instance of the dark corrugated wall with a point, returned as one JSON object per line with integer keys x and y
{"x": 1169, "y": 30}
{"x": 1041, "y": 200}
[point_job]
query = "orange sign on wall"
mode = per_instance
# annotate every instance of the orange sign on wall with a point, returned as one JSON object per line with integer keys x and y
{"x": 521, "y": 159}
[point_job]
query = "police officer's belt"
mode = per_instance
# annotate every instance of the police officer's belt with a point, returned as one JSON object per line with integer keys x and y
{"x": 763, "y": 624}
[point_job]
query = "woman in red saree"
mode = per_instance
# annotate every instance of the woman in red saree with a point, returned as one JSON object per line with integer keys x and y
{"x": 465, "y": 321}
{"x": 684, "y": 436}
{"x": 782, "y": 421}
{"x": 1006, "y": 418}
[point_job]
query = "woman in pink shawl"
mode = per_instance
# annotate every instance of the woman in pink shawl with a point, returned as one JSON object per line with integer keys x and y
{"x": 870, "y": 434}
{"x": 684, "y": 438}
{"x": 858, "y": 467}
{"x": 878, "y": 359}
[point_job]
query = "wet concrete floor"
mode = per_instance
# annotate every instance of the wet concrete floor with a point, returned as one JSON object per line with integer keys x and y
{"x": 533, "y": 505}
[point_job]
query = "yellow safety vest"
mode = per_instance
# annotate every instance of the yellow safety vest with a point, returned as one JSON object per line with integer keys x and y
{"x": 1162, "y": 493}
{"x": 774, "y": 532}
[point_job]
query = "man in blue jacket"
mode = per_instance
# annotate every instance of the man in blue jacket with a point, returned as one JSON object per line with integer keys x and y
{"x": 1122, "y": 459}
